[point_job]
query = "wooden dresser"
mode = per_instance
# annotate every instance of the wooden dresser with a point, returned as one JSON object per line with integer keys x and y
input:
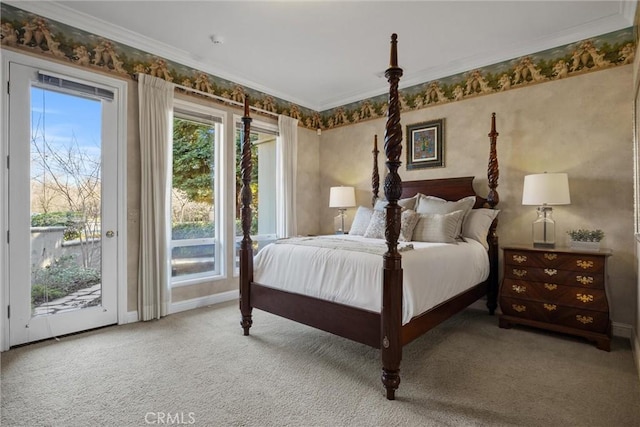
{"x": 562, "y": 290}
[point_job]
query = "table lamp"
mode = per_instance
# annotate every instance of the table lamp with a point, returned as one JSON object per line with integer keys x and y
{"x": 545, "y": 190}
{"x": 341, "y": 198}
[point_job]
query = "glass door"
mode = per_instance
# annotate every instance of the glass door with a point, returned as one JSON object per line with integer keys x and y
{"x": 62, "y": 209}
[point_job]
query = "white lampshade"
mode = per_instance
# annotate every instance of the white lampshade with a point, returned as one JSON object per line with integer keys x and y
{"x": 546, "y": 189}
{"x": 342, "y": 197}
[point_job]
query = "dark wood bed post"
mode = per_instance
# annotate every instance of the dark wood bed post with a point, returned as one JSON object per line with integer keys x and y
{"x": 375, "y": 176}
{"x": 246, "y": 247}
{"x": 391, "y": 316}
{"x": 492, "y": 200}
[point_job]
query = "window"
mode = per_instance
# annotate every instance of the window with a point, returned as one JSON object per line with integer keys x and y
{"x": 195, "y": 236}
{"x": 263, "y": 186}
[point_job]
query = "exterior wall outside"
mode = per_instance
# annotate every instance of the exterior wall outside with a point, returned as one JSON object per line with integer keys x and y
{"x": 47, "y": 244}
{"x": 580, "y": 126}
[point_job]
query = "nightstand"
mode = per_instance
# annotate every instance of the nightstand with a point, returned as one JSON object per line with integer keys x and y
{"x": 562, "y": 290}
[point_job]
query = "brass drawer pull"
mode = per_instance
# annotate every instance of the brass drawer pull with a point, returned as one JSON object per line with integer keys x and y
{"x": 584, "y": 319}
{"x": 551, "y": 257}
{"x": 550, "y": 307}
{"x": 551, "y": 271}
{"x": 519, "y": 273}
{"x": 585, "y": 280}
{"x": 519, "y": 288}
{"x": 584, "y": 264}
{"x": 519, "y": 308}
{"x": 551, "y": 286}
{"x": 519, "y": 258}
{"x": 585, "y": 298}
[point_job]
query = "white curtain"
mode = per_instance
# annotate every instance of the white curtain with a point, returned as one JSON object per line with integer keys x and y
{"x": 155, "y": 97}
{"x": 286, "y": 171}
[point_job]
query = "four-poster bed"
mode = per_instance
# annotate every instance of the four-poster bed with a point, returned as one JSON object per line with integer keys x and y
{"x": 384, "y": 328}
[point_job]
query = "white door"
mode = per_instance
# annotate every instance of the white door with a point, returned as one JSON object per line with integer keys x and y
{"x": 63, "y": 204}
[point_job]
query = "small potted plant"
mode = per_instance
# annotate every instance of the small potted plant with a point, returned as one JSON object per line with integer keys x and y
{"x": 586, "y": 239}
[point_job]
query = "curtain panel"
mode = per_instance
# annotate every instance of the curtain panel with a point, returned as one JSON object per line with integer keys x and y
{"x": 155, "y": 97}
{"x": 286, "y": 171}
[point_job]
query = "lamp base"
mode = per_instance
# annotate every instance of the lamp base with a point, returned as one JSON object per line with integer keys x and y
{"x": 544, "y": 228}
{"x": 339, "y": 222}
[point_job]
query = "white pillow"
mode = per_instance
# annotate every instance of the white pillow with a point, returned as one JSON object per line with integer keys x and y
{"x": 408, "y": 203}
{"x": 377, "y": 225}
{"x": 438, "y": 228}
{"x": 477, "y": 223}
{"x": 436, "y": 205}
{"x": 361, "y": 221}
{"x": 375, "y": 230}
{"x": 408, "y": 223}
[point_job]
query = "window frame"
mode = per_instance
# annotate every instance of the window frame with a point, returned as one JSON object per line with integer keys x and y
{"x": 218, "y": 121}
{"x": 257, "y": 126}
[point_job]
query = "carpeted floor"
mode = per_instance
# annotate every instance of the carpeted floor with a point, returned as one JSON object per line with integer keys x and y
{"x": 196, "y": 368}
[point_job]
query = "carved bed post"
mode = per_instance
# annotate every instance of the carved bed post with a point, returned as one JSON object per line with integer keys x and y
{"x": 246, "y": 248}
{"x": 391, "y": 316}
{"x": 492, "y": 169}
{"x": 492, "y": 201}
{"x": 375, "y": 176}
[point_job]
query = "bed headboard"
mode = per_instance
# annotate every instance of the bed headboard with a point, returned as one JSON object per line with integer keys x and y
{"x": 451, "y": 189}
{"x": 446, "y": 188}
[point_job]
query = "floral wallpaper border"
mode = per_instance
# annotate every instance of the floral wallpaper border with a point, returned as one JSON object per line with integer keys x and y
{"x": 26, "y": 31}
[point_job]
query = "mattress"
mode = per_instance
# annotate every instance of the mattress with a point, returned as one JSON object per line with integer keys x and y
{"x": 350, "y": 273}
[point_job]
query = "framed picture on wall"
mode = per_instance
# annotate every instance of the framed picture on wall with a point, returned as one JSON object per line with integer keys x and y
{"x": 425, "y": 145}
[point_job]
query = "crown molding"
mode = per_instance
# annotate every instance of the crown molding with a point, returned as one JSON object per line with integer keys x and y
{"x": 592, "y": 29}
{"x": 66, "y": 15}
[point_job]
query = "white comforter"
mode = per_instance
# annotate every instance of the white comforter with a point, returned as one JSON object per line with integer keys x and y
{"x": 433, "y": 273}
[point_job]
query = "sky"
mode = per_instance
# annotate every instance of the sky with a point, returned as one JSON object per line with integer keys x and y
{"x": 63, "y": 117}
{"x": 64, "y": 120}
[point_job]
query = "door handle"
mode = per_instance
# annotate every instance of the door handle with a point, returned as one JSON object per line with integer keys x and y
{"x": 110, "y": 234}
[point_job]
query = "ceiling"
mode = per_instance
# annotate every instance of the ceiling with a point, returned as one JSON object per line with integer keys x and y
{"x": 322, "y": 54}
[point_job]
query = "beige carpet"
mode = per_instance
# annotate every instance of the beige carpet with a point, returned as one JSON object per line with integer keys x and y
{"x": 196, "y": 368}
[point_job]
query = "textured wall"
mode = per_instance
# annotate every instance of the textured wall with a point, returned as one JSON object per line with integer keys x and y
{"x": 308, "y": 182}
{"x": 581, "y": 125}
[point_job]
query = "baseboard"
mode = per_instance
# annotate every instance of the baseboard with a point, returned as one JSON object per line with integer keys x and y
{"x": 130, "y": 317}
{"x": 177, "y": 307}
{"x": 621, "y": 330}
{"x": 635, "y": 351}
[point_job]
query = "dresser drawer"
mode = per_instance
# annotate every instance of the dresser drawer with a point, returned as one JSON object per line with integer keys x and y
{"x": 588, "y": 320}
{"x": 571, "y": 296}
{"x": 560, "y": 261}
{"x": 555, "y": 275}
{"x": 560, "y": 289}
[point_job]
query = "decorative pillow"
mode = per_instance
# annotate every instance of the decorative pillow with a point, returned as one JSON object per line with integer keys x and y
{"x": 436, "y": 205}
{"x": 408, "y": 223}
{"x": 477, "y": 223}
{"x": 361, "y": 221}
{"x": 380, "y": 204}
{"x": 408, "y": 203}
{"x": 375, "y": 230}
{"x": 377, "y": 225}
{"x": 438, "y": 228}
